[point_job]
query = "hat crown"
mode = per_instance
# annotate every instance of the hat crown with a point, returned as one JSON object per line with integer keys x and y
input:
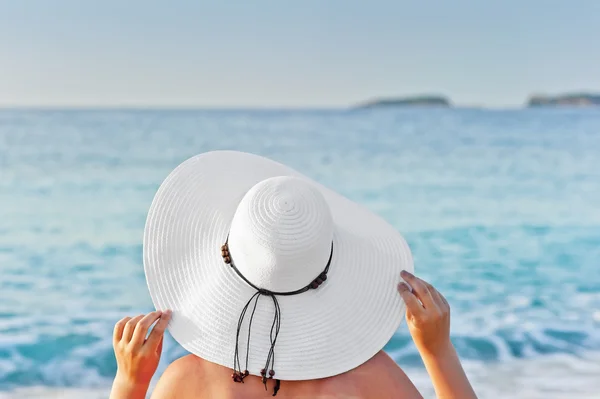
{"x": 281, "y": 234}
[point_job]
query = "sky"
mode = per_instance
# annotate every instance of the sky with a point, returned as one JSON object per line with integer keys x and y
{"x": 308, "y": 53}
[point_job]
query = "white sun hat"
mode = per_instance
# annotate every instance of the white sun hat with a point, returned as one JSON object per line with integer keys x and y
{"x": 285, "y": 233}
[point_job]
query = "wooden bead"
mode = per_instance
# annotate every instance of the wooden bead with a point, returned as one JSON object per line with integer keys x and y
{"x": 314, "y": 285}
{"x": 323, "y": 276}
{"x": 227, "y": 259}
{"x": 271, "y": 373}
{"x": 319, "y": 281}
{"x": 246, "y": 373}
{"x": 263, "y": 372}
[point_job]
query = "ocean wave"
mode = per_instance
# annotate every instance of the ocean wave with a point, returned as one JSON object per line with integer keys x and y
{"x": 505, "y": 345}
{"x": 507, "y": 287}
{"x": 84, "y": 356}
{"x": 549, "y": 377}
{"x": 558, "y": 376}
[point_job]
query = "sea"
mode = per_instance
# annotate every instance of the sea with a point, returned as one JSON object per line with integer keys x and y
{"x": 501, "y": 209}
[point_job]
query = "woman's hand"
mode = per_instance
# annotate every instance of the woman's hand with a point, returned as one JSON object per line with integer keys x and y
{"x": 427, "y": 315}
{"x": 137, "y": 356}
{"x": 428, "y": 319}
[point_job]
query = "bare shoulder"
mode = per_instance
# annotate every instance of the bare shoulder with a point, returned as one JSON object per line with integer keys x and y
{"x": 175, "y": 382}
{"x": 185, "y": 366}
{"x": 383, "y": 361}
{"x": 382, "y": 377}
{"x": 379, "y": 377}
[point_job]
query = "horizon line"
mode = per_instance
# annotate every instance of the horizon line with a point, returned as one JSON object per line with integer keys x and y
{"x": 191, "y": 107}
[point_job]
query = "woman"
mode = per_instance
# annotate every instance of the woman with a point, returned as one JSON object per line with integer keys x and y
{"x": 428, "y": 319}
{"x": 278, "y": 286}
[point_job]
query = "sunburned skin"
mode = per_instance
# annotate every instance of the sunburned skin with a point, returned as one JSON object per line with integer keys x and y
{"x": 192, "y": 377}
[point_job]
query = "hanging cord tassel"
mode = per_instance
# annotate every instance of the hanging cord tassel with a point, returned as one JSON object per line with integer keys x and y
{"x": 246, "y": 373}
{"x": 270, "y": 364}
{"x": 238, "y": 375}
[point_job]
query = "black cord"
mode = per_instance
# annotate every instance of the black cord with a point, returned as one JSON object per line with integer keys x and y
{"x": 238, "y": 375}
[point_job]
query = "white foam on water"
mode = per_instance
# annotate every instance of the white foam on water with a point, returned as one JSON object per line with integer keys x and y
{"x": 55, "y": 393}
{"x": 558, "y": 376}
{"x": 550, "y": 377}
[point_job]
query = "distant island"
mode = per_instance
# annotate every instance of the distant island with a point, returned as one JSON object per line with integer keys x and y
{"x": 565, "y": 100}
{"x": 536, "y": 100}
{"x": 415, "y": 101}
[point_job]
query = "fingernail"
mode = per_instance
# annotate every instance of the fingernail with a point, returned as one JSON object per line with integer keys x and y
{"x": 167, "y": 313}
{"x": 402, "y": 287}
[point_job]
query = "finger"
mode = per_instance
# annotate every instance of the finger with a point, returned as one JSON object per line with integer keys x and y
{"x": 443, "y": 300}
{"x": 141, "y": 329}
{"x": 157, "y": 332}
{"x": 130, "y": 328}
{"x": 412, "y": 303}
{"x": 118, "y": 331}
{"x": 160, "y": 345}
{"x": 436, "y": 297}
{"x": 420, "y": 289}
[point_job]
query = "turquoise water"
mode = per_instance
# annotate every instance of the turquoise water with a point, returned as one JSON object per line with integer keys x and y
{"x": 500, "y": 208}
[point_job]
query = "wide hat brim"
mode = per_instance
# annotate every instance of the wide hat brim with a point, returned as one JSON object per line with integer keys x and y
{"x": 324, "y": 332}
